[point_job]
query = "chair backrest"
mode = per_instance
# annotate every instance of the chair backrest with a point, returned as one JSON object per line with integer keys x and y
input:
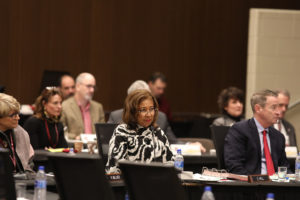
{"x": 152, "y": 181}
{"x": 80, "y": 176}
{"x": 218, "y": 134}
{"x": 51, "y": 78}
{"x": 104, "y": 132}
{"x": 7, "y": 183}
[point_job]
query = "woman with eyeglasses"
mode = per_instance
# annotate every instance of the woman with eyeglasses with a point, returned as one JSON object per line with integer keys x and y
{"x": 12, "y": 136}
{"x": 44, "y": 128}
{"x": 138, "y": 138}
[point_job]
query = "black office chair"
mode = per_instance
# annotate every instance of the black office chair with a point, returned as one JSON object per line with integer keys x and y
{"x": 152, "y": 181}
{"x": 7, "y": 183}
{"x": 80, "y": 176}
{"x": 104, "y": 132}
{"x": 218, "y": 135}
{"x": 51, "y": 78}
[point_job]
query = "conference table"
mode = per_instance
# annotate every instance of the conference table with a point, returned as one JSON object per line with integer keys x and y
{"x": 243, "y": 190}
{"x": 194, "y": 188}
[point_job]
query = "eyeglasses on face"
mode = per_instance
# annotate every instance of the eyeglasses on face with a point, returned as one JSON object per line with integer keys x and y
{"x": 144, "y": 111}
{"x": 13, "y": 115}
{"x": 90, "y": 86}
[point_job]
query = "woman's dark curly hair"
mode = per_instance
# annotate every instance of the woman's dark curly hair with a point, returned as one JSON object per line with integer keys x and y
{"x": 229, "y": 93}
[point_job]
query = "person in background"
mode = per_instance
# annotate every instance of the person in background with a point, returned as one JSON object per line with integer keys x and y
{"x": 138, "y": 138}
{"x": 116, "y": 116}
{"x": 282, "y": 125}
{"x": 12, "y": 136}
{"x": 253, "y": 146}
{"x": 157, "y": 84}
{"x": 230, "y": 102}
{"x": 66, "y": 86}
{"x": 44, "y": 128}
{"x": 80, "y": 112}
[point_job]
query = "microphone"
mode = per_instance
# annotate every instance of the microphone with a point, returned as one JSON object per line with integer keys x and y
{"x": 10, "y": 148}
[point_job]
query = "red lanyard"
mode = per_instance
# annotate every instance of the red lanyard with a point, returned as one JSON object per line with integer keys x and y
{"x": 48, "y": 134}
{"x": 12, "y": 157}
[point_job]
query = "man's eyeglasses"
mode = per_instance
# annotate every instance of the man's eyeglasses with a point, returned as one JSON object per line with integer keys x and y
{"x": 144, "y": 111}
{"x": 89, "y": 86}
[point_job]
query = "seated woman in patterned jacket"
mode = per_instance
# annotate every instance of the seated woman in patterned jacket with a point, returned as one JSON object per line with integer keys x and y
{"x": 138, "y": 138}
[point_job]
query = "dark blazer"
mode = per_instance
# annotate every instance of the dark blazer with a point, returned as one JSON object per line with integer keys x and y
{"x": 290, "y": 131}
{"x": 242, "y": 149}
{"x": 162, "y": 121}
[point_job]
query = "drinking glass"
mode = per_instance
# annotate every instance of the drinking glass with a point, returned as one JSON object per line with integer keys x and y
{"x": 21, "y": 190}
{"x": 282, "y": 173}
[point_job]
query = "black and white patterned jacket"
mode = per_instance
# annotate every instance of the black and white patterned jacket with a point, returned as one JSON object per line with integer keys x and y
{"x": 144, "y": 144}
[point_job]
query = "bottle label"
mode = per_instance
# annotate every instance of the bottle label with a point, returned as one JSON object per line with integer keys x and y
{"x": 41, "y": 184}
{"x": 297, "y": 165}
{"x": 178, "y": 165}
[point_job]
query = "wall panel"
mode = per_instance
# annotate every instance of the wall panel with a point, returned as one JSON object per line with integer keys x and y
{"x": 200, "y": 45}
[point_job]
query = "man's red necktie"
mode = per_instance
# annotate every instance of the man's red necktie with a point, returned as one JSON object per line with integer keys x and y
{"x": 269, "y": 161}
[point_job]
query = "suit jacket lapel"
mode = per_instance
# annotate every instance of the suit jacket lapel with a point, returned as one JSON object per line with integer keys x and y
{"x": 255, "y": 136}
{"x": 77, "y": 113}
{"x": 94, "y": 117}
{"x": 273, "y": 143}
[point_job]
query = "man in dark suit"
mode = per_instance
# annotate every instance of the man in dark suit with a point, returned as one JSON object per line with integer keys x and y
{"x": 282, "y": 125}
{"x": 254, "y": 146}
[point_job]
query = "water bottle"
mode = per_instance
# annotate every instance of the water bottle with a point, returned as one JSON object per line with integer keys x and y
{"x": 126, "y": 196}
{"x": 270, "y": 196}
{"x": 297, "y": 168}
{"x": 207, "y": 194}
{"x": 179, "y": 162}
{"x": 40, "y": 185}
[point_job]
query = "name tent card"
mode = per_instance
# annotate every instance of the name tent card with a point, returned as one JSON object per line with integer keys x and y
{"x": 258, "y": 178}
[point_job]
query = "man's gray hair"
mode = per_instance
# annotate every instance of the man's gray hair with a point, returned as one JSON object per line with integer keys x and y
{"x": 138, "y": 85}
{"x": 260, "y": 98}
{"x": 80, "y": 78}
{"x": 285, "y": 92}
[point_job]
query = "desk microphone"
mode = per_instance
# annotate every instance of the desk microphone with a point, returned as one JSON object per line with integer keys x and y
{"x": 10, "y": 148}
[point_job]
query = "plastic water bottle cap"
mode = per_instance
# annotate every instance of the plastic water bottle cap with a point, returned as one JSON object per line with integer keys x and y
{"x": 179, "y": 151}
{"x": 41, "y": 167}
{"x": 270, "y": 195}
{"x": 207, "y": 188}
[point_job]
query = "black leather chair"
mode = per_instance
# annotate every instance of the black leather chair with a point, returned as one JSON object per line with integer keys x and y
{"x": 80, "y": 177}
{"x": 104, "y": 131}
{"x": 7, "y": 183}
{"x": 152, "y": 181}
{"x": 51, "y": 78}
{"x": 218, "y": 135}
